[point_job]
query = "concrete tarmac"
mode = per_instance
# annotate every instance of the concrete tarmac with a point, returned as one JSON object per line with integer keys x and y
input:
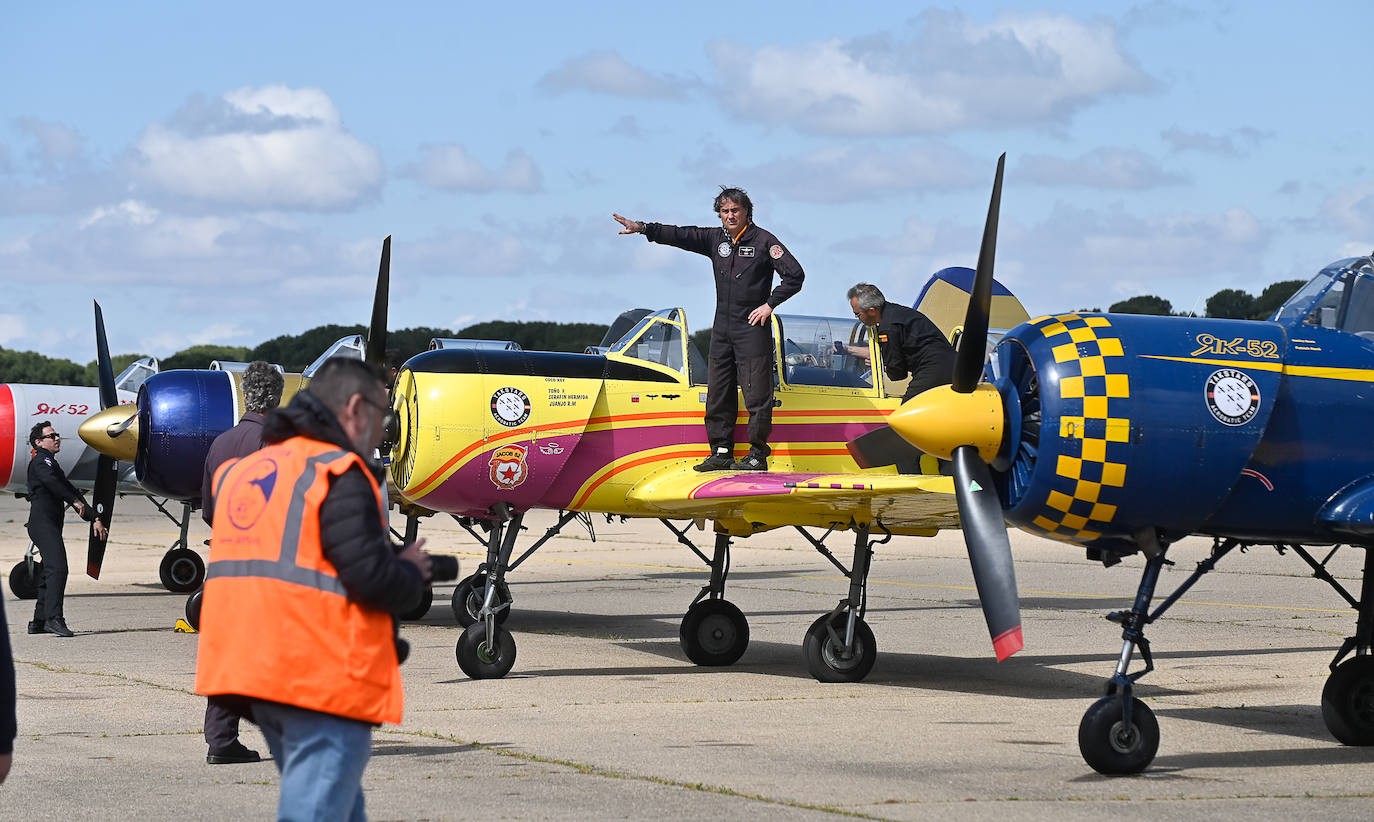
{"x": 603, "y": 717}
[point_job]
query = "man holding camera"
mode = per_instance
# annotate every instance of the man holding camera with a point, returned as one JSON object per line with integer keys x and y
{"x": 297, "y": 624}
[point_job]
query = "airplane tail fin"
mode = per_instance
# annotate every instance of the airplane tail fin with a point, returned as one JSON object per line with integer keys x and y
{"x": 945, "y": 298}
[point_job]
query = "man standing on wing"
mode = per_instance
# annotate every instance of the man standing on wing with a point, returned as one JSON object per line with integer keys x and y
{"x": 744, "y": 258}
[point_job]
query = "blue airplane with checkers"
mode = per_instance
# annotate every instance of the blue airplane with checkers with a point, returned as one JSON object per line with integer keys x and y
{"x": 1125, "y": 433}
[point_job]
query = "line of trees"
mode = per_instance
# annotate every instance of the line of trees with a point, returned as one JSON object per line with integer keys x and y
{"x": 1229, "y": 303}
{"x": 296, "y": 351}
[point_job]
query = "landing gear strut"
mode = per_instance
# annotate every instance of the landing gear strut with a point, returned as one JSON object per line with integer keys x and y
{"x": 839, "y": 646}
{"x": 714, "y": 631}
{"x": 25, "y": 574}
{"x": 1348, "y": 698}
{"x": 181, "y": 570}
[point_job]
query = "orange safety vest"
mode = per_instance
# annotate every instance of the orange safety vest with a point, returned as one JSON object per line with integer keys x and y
{"x": 276, "y": 622}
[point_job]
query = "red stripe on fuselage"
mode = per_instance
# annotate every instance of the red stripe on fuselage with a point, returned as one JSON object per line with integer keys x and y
{"x": 9, "y": 432}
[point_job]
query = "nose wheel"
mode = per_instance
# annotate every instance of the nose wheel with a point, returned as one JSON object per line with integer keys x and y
{"x": 485, "y": 655}
{"x": 24, "y": 578}
{"x": 1348, "y": 701}
{"x": 469, "y": 595}
{"x": 1111, "y": 743}
{"x": 181, "y": 571}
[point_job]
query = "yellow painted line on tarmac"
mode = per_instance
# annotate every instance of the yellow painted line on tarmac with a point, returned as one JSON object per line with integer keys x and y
{"x": 932, "y": 585}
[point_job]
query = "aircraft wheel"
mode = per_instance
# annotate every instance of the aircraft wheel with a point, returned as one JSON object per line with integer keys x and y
{"x": 23, "y": 584}
{"x": 480, "y": 659}
{"x": 828, "y": 660}
{"x": 1109, "y": 746}
{"x": 467, "y": 599}
{"x": 1348, "y": 701}
{"x": 421, "y": 608}
{"x": 193, "y": 603}
{"x": 714, "y": 632}
{"x": 182, "y": 571}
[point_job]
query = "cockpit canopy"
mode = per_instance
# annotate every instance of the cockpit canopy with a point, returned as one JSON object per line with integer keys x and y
{"x": 1340, "y": 297}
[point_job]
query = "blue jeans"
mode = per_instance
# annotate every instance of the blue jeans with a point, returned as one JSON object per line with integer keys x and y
{"x": 321, "y": 758}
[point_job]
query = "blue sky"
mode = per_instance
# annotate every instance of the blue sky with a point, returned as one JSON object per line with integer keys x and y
{"x": 224, "y": 174}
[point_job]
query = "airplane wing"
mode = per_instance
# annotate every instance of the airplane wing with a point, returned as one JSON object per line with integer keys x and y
{"x": 747, "y": 502}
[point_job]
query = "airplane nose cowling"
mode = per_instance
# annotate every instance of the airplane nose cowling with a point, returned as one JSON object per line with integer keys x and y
{"x": 939, "y": 420}
{"x": 112, "y": 432}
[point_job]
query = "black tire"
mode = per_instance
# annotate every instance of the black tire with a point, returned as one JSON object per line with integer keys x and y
{"x": 193, "y": 603}
{"x": 1348, "y": 701}
{"x": 481, "y": 661}
{"x": 181, "y": 571}
{"x": 467, "y": 599}
{"x": 1109, "y": 746}
{"x": 421, "y": 608}
{"x": 23, "y": 584}
{"x": 714, "y": 632}
{"x": 827, "y": 659}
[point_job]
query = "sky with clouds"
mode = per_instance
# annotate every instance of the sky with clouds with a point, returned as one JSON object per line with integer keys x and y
{"x": 226, "y": 173}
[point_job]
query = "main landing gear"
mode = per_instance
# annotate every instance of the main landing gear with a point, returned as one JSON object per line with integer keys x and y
{"x": 1120, "y": 735}
{"x": 25, "y": 574}
{"x": 839, "y": 646}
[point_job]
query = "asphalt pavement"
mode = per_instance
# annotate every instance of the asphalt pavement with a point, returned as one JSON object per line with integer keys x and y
{"x": 603, "y": 717}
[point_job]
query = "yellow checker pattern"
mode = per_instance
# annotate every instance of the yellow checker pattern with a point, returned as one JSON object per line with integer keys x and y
{"x": 1094, "y": 427}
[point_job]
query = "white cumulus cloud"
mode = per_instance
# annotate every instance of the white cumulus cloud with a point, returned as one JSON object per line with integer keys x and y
{"x": 272, "y": 147}
{"x": 949, "y": 73}
{"x": 449, "y": 166}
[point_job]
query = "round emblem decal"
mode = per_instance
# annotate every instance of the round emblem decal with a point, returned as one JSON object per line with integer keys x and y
{"x": 723, "y": 249}
{"x": 250, "y": 492}
{"x": 775, "y": 251}
{"x": 510, "y": 406}
{"x": 1232, "y": 397}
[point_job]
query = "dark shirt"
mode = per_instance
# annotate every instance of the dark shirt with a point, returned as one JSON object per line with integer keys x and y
{"x": 9, "y": 723}
{"x": 911, "y": 344}
{"x": 50, "y": 492}
{"x": 239, "y": 441}
{"x": 743, "y": 268}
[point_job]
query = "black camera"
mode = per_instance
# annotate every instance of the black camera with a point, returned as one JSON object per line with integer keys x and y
{"x": 443, "y": 568}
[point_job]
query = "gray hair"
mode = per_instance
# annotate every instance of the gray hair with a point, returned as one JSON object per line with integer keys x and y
{"x": 867, "y": 294}
{"x": 262, "y": 385}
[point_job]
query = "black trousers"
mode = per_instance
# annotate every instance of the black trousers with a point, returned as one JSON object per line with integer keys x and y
{"x": 741, "y": 359}
{"x": 52, "y": 583}
{"x": 221, "y": 725}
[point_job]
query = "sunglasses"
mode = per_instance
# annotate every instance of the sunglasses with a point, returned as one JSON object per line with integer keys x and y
{"x": 53, "y": 436}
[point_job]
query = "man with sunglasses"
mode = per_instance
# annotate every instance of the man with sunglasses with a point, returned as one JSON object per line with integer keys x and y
{"x": 297, "y": 623}
{"x": 261, "y": 387}
{"x": 50, "y": 492}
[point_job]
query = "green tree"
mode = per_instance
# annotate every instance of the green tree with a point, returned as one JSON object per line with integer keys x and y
{"x": 32, "y": 367}
{"x": 296, "y": 351}
{"x": 1145, "y": 304}
{"x": 1274, "y": 296}
{"x": 200, "y": 356}
{"x": 538, "y": 336}
{"x": 702, "y": 340}
{"x": 1231, "y": 304}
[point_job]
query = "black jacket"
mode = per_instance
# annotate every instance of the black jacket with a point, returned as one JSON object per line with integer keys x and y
{"x": 50, "y": 492}
{"x": 912, "y": 344}
{"x": 743, "y": 269}
{"x": 352, "y": 534}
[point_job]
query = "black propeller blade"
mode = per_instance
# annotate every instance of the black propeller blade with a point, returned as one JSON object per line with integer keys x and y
{"x": 968, "y": 368}
{"x": 980, "y": 510}
{"x": 376, "y": 332}
{"x": 989, "y": 551}
{"x": 107, "y": 469}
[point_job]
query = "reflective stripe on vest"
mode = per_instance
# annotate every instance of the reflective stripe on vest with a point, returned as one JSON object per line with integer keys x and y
{"x": 284, "y": 568}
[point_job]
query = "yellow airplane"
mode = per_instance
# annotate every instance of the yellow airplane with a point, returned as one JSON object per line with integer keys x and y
{"x": 487, "y": 435}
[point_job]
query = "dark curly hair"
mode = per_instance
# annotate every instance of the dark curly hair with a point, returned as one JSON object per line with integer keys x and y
{"x": 734, "y": 195}
{"x": 36, "y": 433}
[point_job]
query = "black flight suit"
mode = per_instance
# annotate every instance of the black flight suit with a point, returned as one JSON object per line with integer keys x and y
{"x": 911, "y": 344}
{"x": 50, "y": 492}
{"x": 741, "y": 354}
